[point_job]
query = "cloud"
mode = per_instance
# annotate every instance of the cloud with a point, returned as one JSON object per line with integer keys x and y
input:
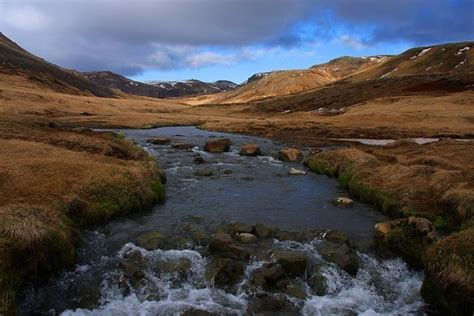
{"x": 132, "y": 36}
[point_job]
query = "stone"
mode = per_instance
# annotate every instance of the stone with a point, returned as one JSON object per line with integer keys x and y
{"x": 250, "y": 150}
{"x": 343, "y": 201}
{"x": 265, "y": 304}
{"x": 341, "y": 255}
{"x": 241, "y": 228}
{"x": 197, "y": 312}
{"x": 293, "y": 262}
{"x": 131, "y": 270}
{"x": 337, "y": 237}
{"x": 291, "y": 287}
{"x": 203, "y": 173}
{"x": 220, "y": 241}
{"x": 199, "y": 160}
{"x": 317, "y": 281}
{"x": 246, "y": 238}
{"x": 227, "y": 171}
{"x": 221, "y": 244}
{"x": 290, "y": 155}
{"x": 262, "y": 231}
{"x": 182, "y": 146}
{"x": 179, "y": 267}
{"x": 158, "y": 141}
{"x": 151, "y": 241}
{"x": 267, "y": 275}
{"x": 225, "y": 272}
{"x": 217, "y": 146}
{"x": 296, "y": 172}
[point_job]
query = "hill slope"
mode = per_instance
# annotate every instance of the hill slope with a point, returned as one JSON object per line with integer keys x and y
{"x": 14, "y": 60}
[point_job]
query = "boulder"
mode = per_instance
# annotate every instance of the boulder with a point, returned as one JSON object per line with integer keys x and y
{"x": 250, "y": 150}
{"x": 296, "y": 172}
{"x": 221, "y": 244}
{"x": 217, "y": 146}
{"x": 241, "y": 228}
{"x": 180, "y": 267}
{"x": 132, "y": 271}
{"x": 291, "y": 287}
{"x": 158, "y": 141}
{"x": 343, "y": 201}
{"x": 182, "y": 146}
{"x": 225, "y": 272}
{"x": 337, "y": 237}
{"x": 199, "y": 160}
{"x": 290, "y": 155}
{"x": 341, "y": 255}
{"x": 266, "y": 304}
{"x": 262, "y": 231}
{"x": 203, "y": 173}
{"x": 246, "y": 238}
{"x": 293, "y": 262}
{"x": 267, "y": 275}
{"x": 151, "y": 241}
{"x": 197, "y": 312}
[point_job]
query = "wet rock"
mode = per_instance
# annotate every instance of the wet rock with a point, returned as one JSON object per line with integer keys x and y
{"x": 246, "y": 238}
{"x": 89, "y": 295}
{"x": 199, "y": 160}
{"x": 151, "y": 241}
{"x": 227, "y": 171}
{"x": 337, "y": 237}
{"x": 290, "y": 155}
{"x": 343, "y": 201}
{"x": 262, "y": 231}
{"x": 182, "y": 146}
{"x": 291, "y": 287}
{"x": 265, "y": 304}
{"x": 341, "y": 255}
{"x": 199, "y": 236}
{"x": 225, "y": 272}
{"x": 179, "y": 267}
{"x": 317, "y": 281}
{"x": 197, "y": 312}
{"x": 203, "y": 173}
{"x": 296, "y": 172}
{"x": 131, "y": 270}
{"x": 250, "y": 150}
{"x": 218, "y": 145}
{"x": 293, "y": 262}
{"x": 238, "y": 228}
{"x": 158, "y": 141}
{"x": 221, "y": 244}
{"x": 135, "y": 256}
{"x": 267, "y": 275}
{"x": 408, "y": 238}
{"x": 220, "y": 241}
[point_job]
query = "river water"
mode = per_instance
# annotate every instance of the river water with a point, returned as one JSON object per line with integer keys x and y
{"x": 241, "y": 189}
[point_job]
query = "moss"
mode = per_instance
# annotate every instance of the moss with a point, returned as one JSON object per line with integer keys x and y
{"x": 322, "y": 167}
{"x": 149, "y": 126}
{"x": 409, "y": 247}
{"x": 159, "y": 190}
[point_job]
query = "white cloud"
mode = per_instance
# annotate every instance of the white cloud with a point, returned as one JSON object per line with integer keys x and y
{"x": 209, "y": 59}
{"x": 351, "y": 42}
{"x": 25, "y": 18}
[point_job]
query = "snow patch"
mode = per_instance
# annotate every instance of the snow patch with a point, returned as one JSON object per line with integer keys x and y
{"x": 460, "y": 64}
{"x": 462, "y": 50}
{"x": 424, "y": 51}
{"x": 388, "y": 73}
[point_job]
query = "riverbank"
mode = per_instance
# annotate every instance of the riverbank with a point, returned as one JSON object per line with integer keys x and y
{"x": 55, "y": 181}
{"x": 433, "y": 181}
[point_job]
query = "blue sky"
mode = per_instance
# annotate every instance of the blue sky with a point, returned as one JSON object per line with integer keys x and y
{"x": 226, "y": 39}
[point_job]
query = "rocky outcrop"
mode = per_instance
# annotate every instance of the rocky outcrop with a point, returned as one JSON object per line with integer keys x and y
{"x": 290, "y": 155}
{"x": 250, "y": 150}
{"x": 408, "y": 238}
{"x": 217, "y": 146}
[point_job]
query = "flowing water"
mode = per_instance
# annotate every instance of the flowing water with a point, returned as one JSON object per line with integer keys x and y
{"x": 241, "y": 189}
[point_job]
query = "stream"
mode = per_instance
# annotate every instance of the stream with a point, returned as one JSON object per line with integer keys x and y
{"x": 116, "y": 275}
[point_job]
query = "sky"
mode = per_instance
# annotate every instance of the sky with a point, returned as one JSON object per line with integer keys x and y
{"x": 226, "y": 39}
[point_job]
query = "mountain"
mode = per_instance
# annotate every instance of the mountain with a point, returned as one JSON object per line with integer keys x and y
{"x": 14, "y": 60}
{"x": 415, "y": 68}
{"x": 193, "y": 87}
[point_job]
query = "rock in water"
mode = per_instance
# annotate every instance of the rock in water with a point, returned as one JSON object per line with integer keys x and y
{"x": 250, "y": 150}
{"x": 182, "y": 146}
{"x": 342, "y": 255}
{"x": 247, "y": 238}
{"x": 296, "y": 172}
{"x": 290, "y": 155}
{"x": 343, "y": 201}
{"x": 158, "y": 140}
{"x": 293, "y": 262}
{"x": 218, "y": 145}
{"x": 199, "y": 160}
{"x": 151, "y": 241}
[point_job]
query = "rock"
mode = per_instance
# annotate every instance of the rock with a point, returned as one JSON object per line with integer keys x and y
{"x": 343, "y": 201}
{"x": 250, "y": 150}
{"x": 262, "y": 231}
{"x": 341, "y": 255}
{"x": 179, "y": 267}
{"x": 293, "y": 262}
{"x": 199, "y": 160}
{"x": 296, "y": 172}
{"x": 337, "y": 237}
{"x": 317, "y": 281}
{"x": 246, "y": 238}
{"x": 135, "y": 256}
{"x": 182, "y": 146}
{"x": 158, "y": 141}
{"x": 131, "y": 270}
{"x": 203, "y": 173}
{"x": 151, "y": 241}
{"x": 218, "y": 145}
{"x": 221, "y": 244}
{"x": 291, "y": 287}
{"x": 238, "y": 228}
{"x": 199, "y": 236}
{"x": 407, "y": 237}
{"x": 220, "y": 241}
{"x": 225, "y": 272}
{"x": 290, "y": 155}
{"x": 227, "y": 171}
{"x": 197, "y": 312}
{"x": 267, "y": 275}
{"x": 265, "y": 304}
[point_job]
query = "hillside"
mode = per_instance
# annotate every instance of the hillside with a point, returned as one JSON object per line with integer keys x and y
{"x": 14, "y": 60}
{"x": 157, "y": 89}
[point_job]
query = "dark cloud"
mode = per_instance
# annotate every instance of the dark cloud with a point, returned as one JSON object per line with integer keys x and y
{"x": 131, "y": 36}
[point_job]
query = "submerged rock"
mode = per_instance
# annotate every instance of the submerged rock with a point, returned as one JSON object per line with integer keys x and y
{"x": 159, "y": 140}
{"x": 225, "y": 272}
{"x": 291, "y": 287}
{"x": 199, "y": 160}
{"x": 197, "y": 312}
{"x": 203, "y": 173}
{"x": 250, "y": 150}
{"x": 343, "y": 201}
{"x": 267, "y": 275}
{"x": 266, "y": 304}
{"x": 263, "y": 231}
{"x": 222, "y": 245}
{"x": 151, "y": 241}
{"x": 296, "y": 172}
{"x": 246, "y": 238}
{"x": 290, "y": 155}
{"x": 182, "y": 146}
{"x": 218, "y": 145}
